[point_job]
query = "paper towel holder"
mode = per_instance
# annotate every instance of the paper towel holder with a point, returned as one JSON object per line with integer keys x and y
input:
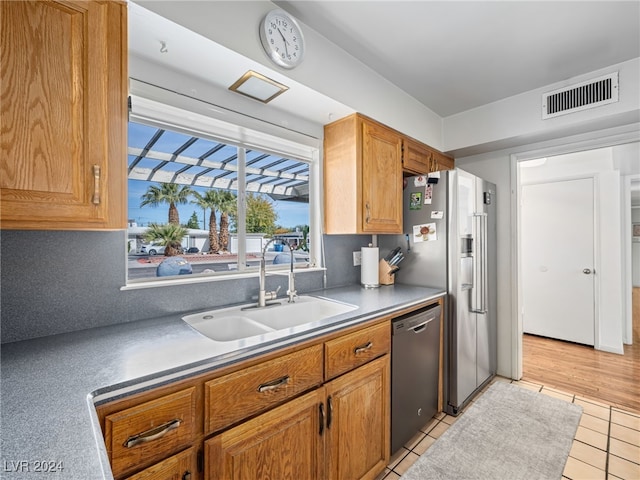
{"x": 370, "y": 279}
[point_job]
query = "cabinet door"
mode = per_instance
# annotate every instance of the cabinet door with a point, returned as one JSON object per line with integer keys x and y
{"x": 358, "y": 422}
{"x": 381, "y": 179}
{"x": 441, "y": 162}
{"x": 416, "y": 158}
{"x": 284, "y": 443}
{"x": 63, "y": 115}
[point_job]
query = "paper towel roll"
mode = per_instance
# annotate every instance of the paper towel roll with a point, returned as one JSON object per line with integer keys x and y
{"x": 369, "y": 267}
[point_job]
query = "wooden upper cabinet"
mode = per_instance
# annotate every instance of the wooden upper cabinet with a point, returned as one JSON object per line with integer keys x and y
{"x": 418, "y": 158}
{"x": 63, "y": 115}
{"x": 362, "y": 177}
{"x": 442, "y": 162}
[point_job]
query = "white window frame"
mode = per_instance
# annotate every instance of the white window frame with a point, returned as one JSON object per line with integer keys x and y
{"x": 161, "y": 108}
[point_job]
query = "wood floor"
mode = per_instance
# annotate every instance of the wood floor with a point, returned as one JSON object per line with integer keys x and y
{"x": 607, "y": 377}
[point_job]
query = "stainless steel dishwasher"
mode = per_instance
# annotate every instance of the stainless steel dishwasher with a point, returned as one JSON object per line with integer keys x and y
{"x": 415, "y": 354}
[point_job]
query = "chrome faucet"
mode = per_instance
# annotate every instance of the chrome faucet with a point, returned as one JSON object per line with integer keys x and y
{"x": 263, "y": 295}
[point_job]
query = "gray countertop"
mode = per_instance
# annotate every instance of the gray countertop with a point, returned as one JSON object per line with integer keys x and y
{"x": 50, "y": 385}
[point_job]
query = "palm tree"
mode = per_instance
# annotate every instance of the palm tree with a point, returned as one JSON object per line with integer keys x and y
{"x": 169, "y": 235}
{"x": 210, "y": 199}
{"x": 228, "y": 205}
{"x": 170, "y": 193}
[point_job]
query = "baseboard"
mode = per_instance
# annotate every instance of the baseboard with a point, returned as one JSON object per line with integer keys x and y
{"x": 606, "y": 348}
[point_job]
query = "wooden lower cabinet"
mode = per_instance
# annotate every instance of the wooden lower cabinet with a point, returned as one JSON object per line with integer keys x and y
{"x": 183, "y": 466}
{"x": 313, "y": 412}
{"x": 143, "y": 434}
{"x": 339, "y": 431}
{"x": 358, "y": 422}
{"x": 284, "y": 443}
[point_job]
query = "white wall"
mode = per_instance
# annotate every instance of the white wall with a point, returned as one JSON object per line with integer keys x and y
{"x": 518, "y": 120}
{"x": 326, "y": 68}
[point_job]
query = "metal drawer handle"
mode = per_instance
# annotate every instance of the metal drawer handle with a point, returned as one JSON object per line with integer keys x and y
{"x": 368, "y": 207}
{"x": 273, "y": 384}
{"x": 321, "y": 419}
{"x": 363, "y": 348}
{"x": 96, "y": 185}
{"x": 153, "y": 434}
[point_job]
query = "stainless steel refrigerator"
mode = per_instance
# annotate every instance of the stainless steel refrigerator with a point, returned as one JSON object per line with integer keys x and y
{"x": 449, "y": 242}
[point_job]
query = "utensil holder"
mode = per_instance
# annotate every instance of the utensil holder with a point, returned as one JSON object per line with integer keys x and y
{"x": 384, "y": 273}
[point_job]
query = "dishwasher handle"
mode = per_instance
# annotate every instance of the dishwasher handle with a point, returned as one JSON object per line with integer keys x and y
{"x": 422, "y": 326}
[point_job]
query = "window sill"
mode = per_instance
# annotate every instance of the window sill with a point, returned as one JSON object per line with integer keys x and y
{"x": 204, "y": 278}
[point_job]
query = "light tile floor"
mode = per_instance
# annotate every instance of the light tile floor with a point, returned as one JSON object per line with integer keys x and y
{"x": 606, "y": 445}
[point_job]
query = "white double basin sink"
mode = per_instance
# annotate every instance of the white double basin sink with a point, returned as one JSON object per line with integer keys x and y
{"x": 245, "y": 321}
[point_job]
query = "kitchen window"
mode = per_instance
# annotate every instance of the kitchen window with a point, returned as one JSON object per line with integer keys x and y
{"x": 205, "y": 197}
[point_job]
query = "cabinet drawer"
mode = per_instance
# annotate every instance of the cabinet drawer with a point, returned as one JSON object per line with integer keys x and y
{"x": 183, "y": 466}
{"x": 241, "y": 394}
{"x": 140, "y": 436}
{"x": 350, "y": 351}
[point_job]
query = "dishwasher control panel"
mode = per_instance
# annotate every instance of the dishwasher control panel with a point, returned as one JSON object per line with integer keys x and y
{"x": 416, "y": 319}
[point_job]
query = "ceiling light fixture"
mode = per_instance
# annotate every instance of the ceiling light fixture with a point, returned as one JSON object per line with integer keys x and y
{"x": 258, "y": 87}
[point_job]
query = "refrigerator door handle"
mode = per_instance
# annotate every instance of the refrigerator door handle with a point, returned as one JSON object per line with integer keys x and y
{"x": 480, "y": 274}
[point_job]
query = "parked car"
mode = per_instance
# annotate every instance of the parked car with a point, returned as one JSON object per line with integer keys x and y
{"x": 192, "y": 250}
{"x": 152, "y": 249}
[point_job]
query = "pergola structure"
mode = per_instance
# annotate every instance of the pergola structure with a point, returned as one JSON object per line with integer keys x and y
{"x": 165, "y": 156}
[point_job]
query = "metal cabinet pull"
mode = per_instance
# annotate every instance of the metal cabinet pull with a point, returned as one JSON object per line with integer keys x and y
{"x": 321, "y": 411}
{"x": 153, "y": 434}
{"x": 273, "y": 384}
{"x": 96, "y": 185}
{"x": 479, "y": 298}
{"x": 329, "y": 411}
{"x": 363, "y": 348}
{"x": 187, "y": 475}
{"x": 368, "y": 207}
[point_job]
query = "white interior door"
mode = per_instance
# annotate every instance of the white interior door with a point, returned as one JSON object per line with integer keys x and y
{"x": 557, "y": 239}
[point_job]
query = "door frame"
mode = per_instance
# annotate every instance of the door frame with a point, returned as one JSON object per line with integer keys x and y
{"x": 627, "y": 233}
{"x": 516, "y": 280}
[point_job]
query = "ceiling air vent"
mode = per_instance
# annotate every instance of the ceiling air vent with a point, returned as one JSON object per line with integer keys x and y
{"x": 589, "y": 94}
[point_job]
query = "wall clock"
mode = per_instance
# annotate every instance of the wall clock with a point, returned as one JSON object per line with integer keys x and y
{"x": 282, "y": 39}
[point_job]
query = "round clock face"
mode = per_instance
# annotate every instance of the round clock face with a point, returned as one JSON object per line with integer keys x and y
{"x": 282, "y": 39}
